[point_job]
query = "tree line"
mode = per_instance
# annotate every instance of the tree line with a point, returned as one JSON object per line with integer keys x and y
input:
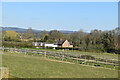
{"x": 96, "y": 40}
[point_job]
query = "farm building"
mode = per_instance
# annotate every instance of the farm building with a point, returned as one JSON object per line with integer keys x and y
{"x": 59, "y": 43}
{"x": 64, "y": 43}
{"x": 38, "y": 44}
{"x": 51, "y": 45}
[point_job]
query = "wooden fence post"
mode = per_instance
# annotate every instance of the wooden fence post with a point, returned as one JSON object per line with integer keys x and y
{"x": 85, "y": 59}
{"x": 77, "y": 59}
{"x": 62, "y": 56}
{"x": 106, "y": 63}
{"x": 45, "y": 55}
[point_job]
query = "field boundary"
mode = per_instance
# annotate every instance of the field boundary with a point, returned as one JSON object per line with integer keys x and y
{"x": 68, "y": 58}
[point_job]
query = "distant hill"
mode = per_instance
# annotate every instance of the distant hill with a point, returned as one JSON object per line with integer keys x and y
{"x": 22, "y": 30}
{"x": 13, "y": 29}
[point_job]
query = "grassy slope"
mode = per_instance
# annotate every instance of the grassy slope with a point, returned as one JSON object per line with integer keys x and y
{"x": 26, "y": 66}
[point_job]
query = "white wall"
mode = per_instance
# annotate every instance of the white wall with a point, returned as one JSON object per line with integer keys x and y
{"x": 50, "y": 45}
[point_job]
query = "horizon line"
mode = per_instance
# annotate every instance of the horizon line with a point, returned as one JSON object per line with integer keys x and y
{"x": 56, "y": 29}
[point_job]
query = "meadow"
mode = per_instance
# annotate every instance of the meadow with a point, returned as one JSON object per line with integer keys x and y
{"x": 27, "y": 66}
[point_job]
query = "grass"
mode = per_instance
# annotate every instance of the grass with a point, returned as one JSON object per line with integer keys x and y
{"x": 27, "y": 66}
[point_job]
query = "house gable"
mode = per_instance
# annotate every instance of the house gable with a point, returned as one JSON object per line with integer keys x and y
{"x": 66, "y": 44}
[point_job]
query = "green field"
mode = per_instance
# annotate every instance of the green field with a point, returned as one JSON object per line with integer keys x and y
{"x": 27, "y": 66}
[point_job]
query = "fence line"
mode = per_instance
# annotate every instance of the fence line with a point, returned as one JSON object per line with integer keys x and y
{"x": 62, "y": 56}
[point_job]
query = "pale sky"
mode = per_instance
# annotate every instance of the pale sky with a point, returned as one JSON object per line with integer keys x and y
{"x": 61, "y": 15}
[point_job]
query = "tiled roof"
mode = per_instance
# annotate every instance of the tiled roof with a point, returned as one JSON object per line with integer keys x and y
{"x": 59, "y": 42}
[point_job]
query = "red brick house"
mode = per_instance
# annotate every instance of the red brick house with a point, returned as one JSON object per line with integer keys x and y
{"x": 64, "y": 43}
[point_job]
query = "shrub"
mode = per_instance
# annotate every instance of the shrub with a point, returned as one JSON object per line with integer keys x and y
{"x": 89, "y": 57}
